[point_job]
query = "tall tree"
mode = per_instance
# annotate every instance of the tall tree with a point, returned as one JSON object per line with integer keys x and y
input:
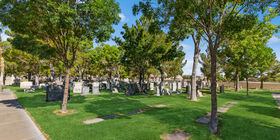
{"x": 107, "y": 60}
{"x": 137, "y": 46}
{"x": 215, "y": 19}
{"x": 62, "y": 25}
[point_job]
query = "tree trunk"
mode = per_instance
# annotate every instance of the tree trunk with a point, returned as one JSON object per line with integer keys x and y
{"x": 141, "y": 78}
{"x": 29, "y": 76}
{"x": 66, "y": 88}
{"x": 214, "y": 119}
{"x": 110, "y": 81}
{"x": 37, "y": 74}
{"x": 247, "y": 86}
{"x": 193, "y": 82}
{"x": 161, "y": 83}
{"x": 262, "y": 80}
{"x": 2, "y": 65}
{"x": 237, "y": 79}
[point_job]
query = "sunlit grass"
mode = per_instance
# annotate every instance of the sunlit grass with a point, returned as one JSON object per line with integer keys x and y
{"x": 254, "y": 118}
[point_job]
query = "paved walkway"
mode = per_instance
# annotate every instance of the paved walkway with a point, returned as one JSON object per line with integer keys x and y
{"x": 15, "y": 124}
{"x": 276, "y": 97}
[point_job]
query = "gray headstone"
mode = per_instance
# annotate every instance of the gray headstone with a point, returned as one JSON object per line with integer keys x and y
{"x": 174, "y": 86}
{"x": 158, "y": 91}
{"x": 25, "y": 85}
{"x": 95, "y": 88}
{"x": 151, "y": 86}
{"x": 179, "y": 85}
{"x": 77, "y": 87}
{"x": 10, "y": 80}
{"x": 85, "y": 90}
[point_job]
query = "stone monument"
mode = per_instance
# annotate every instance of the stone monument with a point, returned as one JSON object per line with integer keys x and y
{"x": 85, "y": 90}
{"x": 77, "y": 87}
{"x": 95, "y": 88}
{"x": 25, "y": 85}
{"x": 55, "y": 93}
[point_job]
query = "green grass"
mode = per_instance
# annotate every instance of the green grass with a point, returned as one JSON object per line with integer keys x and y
{"x": 254, "y": 118}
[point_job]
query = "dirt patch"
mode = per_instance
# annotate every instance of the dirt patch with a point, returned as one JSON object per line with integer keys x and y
{"x": 177, "y": 135}
{"x": 58, "y": 112}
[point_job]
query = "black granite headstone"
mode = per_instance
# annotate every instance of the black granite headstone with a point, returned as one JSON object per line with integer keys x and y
{"x": 132, "y": 89}
{"x": 55, "y": 93}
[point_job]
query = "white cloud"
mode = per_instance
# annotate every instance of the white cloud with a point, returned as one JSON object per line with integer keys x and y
{"x": 122, "y": 16}
{"x": 188, "y": 68}
{"x": 274, "y": 39}
{"x": 186, "y": 46}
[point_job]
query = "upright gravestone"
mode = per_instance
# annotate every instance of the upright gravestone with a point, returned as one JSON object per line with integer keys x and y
{"x": 95, "y": 88}
{"x": 55, "y": 93}
{"x": 78, "y": 86}
{"x": 158, "y": 91}
{"x": 179, "y": 85}
{"x": 222, "y": 89}
{"x": 151, "y": 86}
{"x": 25, "y": 85}
{"x": 174, "y": 86}
{"x": 10, "y": 80}
{"x": 85, "y": 90}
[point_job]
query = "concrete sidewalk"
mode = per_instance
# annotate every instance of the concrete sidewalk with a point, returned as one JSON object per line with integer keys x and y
{"x": 15, "y": 124}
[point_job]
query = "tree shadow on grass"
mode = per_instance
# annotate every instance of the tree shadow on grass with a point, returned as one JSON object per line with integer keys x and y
{"x": 267, "y": 111}
{"x": 246, "y": 128}
{"x": 39, "y": 100}
{"x": 112, "y": 106}
{"x": 181, "y": 118}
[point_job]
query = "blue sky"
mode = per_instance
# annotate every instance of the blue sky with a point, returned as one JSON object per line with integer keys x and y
{"x": 128, "y": 17}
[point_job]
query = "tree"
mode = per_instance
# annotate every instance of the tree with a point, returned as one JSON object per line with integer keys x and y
{"x": 274, "y": 73}
{"x": 33, "y": 46}
{"x": 242, "y": 44}
{"x": 215, "y": 19}
{"x": 137, "y": 46}
{"x": 62, "y": 25}
{"x": 2, "y": 61}
{"x": 265, "y": 61}
{"x": 107, "y": 61}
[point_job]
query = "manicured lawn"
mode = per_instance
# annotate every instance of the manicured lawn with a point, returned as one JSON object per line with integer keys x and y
{"x": 254, "y": 118}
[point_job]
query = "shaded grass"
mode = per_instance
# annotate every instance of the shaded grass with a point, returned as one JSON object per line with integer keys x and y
{"x": 254, "y": 117}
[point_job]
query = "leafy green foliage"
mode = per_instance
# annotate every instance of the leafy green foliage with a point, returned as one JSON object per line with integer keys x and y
{"x": 106, "y": 60}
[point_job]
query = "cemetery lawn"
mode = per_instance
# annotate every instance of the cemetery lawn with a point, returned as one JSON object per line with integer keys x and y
{"x": 254, "y": 118}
